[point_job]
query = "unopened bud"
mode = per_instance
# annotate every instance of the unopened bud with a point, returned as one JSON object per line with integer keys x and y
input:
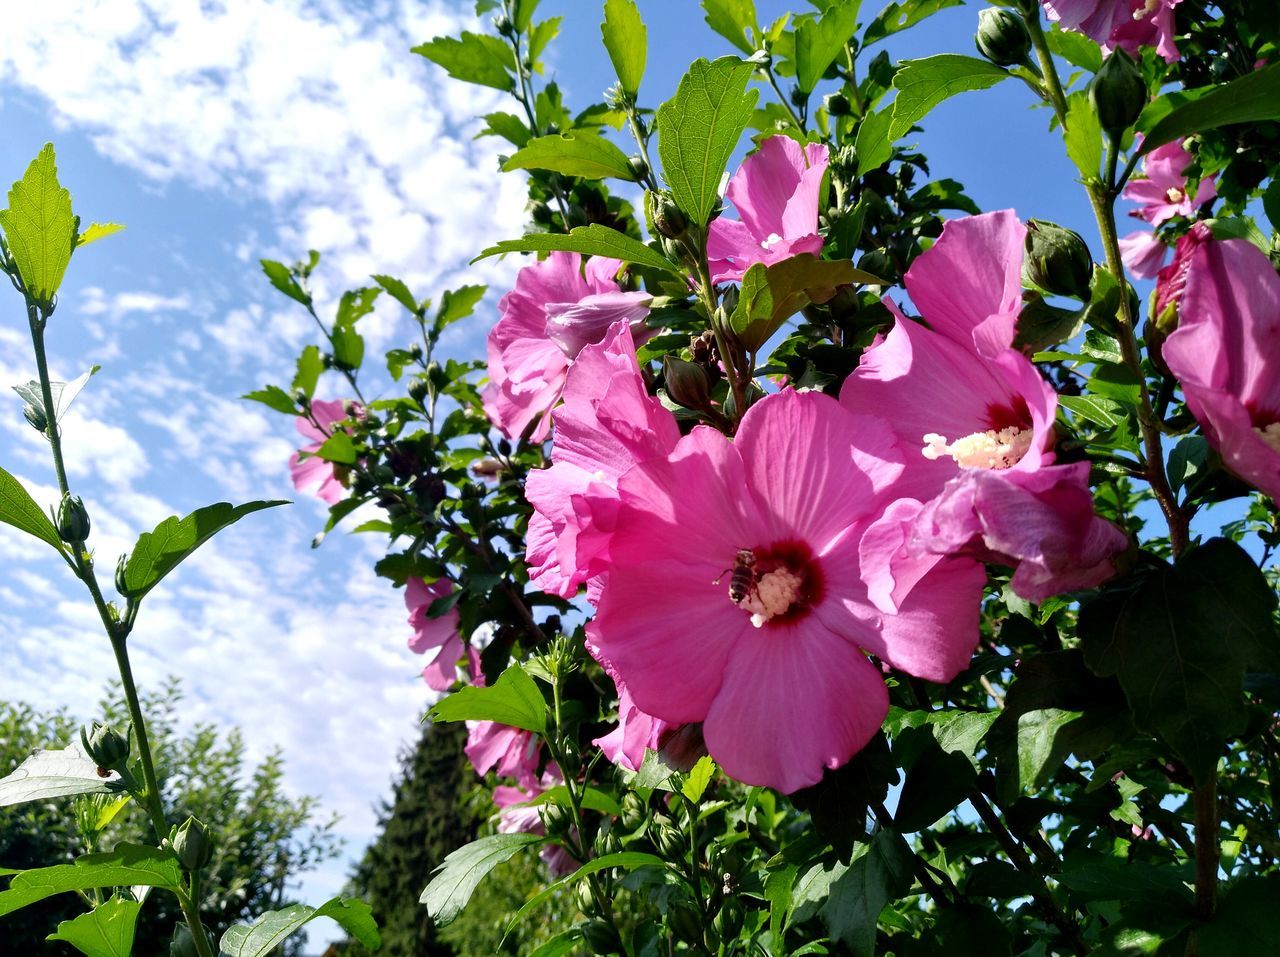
{"x": 122, "y": 584}
{"x": 837, "y": 104}
{"x": 669, "y": 841}
{"x": 638, "y": 166}
{"x": 687, "y": 383}
{"x": 799, "y": 97}
{"x": 419, "y": 390}
{"x": 1058, "y": 259}
{"x": 668, "y": 220}
{"x": 36, "y": 417}
{"x": 502, "y": 23}
{"x": 73, "y": 520}
{"x": 586, "y": 900}
{"x": 1118, "y": 93}
{"x": 1002, "y": 37}
{"x": 192, "y": 845}
{"x": 685, "y": 922}
{"x": 105, "y": 746}
{"x": 602, "y": 937}
{"x": 300, "y": 398}
{"x": 633, "y": 811}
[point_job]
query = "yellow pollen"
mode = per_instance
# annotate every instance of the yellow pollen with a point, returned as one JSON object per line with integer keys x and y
{"x": 981, "y": 450}
{"x": 1174, "y": 195}
{"x": 773, "y": 594}
{"x": 1148, "y": 8}
{"x": 1271, "y": 435}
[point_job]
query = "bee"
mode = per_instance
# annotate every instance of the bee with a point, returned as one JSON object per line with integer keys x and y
{"x": 743, "y": 577}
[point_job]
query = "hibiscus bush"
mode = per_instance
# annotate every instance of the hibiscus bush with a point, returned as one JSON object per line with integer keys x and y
{"x": 819, "y": 563}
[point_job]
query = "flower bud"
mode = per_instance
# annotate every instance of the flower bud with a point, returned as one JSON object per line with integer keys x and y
{"x": 638, "y": 166}
{"x": 192, "y": 845}
{"x": 586, "y": 900}
{"x": 418, "y": 390}
{"x": 668, "y": 220}
{"x": 669, "y": 841}
{"x": 554, "y": 818}
{"x": 1002, "y": 37}
{"x": 121, "y": 582}
{"x": 687, "y": 383}
{"x": 633, "y": 811}
{"x": 837, "y": 104}
{"x": 36, "y": 417}
{"x": 300, "y": 398}
{"x": 799, "y": 97}
{"x": 184, "y": 945}
{"x": 1118, "y": 93}
{"x": 502, "y": 23}
{"x": 760, "y": 59}
{"x": 105, "y": 746}
{"x": 1058, "y": 260}
{"x": 601, "y": 937}
{"x": 685, "y": 921}
{"x": 73, "y": 520}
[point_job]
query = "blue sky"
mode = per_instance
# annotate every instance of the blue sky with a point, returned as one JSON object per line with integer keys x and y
{"x": 221, "y": 133}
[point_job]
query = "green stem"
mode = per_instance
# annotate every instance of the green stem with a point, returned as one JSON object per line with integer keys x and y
{"x": 37, "y": 323}
{"x": 192, "y": 914}
{"x": 150, "y": 784}
{"x": 785, "y": 100}
{"x": 640, "y": 135}
{"x": 1053, "y": 85}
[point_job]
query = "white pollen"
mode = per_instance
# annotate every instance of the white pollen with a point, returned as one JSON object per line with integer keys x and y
{"x": 774, "y": 593}
{"x": 1271, "y": 435}
{"x": 981, "y": 450}
{"x": 1174, "y": 195}
{"x": 771, "y": 241}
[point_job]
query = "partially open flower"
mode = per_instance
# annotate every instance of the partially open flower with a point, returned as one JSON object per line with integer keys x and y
{"x": 315, "y": 472}
{"x": 440, "y": 633}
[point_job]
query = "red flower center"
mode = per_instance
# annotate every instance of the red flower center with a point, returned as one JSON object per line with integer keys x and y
{"x": 776, "y": 584}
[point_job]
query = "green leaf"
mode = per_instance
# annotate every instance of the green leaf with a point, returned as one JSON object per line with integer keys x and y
{"x": 1251, "y": 98}
{"x": 507, "y": 125}
{"x": 160, "y": 551}
{"x": 1104, "y": 412}
{"x": 62, "y": 393}
{"x": 471, "y": 59}
{"x": 1179, "y": 643}
{"x": 627, "y": 860}
{"x": 514, "y": 699}
{"x": 878, "y": 875}
{"x": 560, "y": 944}
{"x": 266, "y": 933}
{"x": 40, "y": 227}
{"x": 820, "y": 40}
{"x": 590, "y": 798}
{"x": 105, "y": 931}
{"x": 735, "y": 20}
{"x": 1041, "y": 749}
{"x": 97, "y": 231}
{"x": 310, "y": 365}
{"x": 126, "y": 866}
{"x": 1246, "y": 920}
{"x": 699, "y": 128}
{"x": 1083, "y": 136}
{"x": 19, "y": 509}
{"x": 593, "y": 240}
{"x": 398, "y": 291}
{"x": 626, "y": 39}
{"x": 923, "y": 84}
{"x": 337, "y": 448}
{"x": 695, "y": 783}
{"x": 458, "y": 303}
{"x": 902, "y": 15}
{"x": 873, "y": 146}
{"x": 578, "y": 153}
{"x": 283, "y": 280}
{"x": 274, "y": 398}
{"x": 1076, "y": 48}
{"x": 54, "y": 774}
{"x": 542, "y": 35}
{"x": 454, "y": 881}
{"x": 771, "y": 295}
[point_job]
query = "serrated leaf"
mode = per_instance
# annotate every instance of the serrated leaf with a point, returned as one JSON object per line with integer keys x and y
{"x": 593, "y": 240}
{"x": 699, "y": 776}
{"x": 55, "y": 774}
{"x": 398, "y": 291}
{"x": 771, "y": 295}
{"x": 576, "y": 153}
{"x": 283, "y": 280}
{"x": 1041, "y": 750}
{"x": 307, "y": 374}
{"x": 40, "y": 227}
{"x": 454, "y": 881}
{"x": 1083, "y": 136}
{"x": 923, "y": 84}
{"x": 901, "y": 16}
{"x": 819, "y": 40}
{"x": 735, "y": 20}
{"x": 105, "y": 931}
{"x": 626, "y": 40}
{"x": 1076, "y": 48}
{"x": 507, "y": 125}
{"x": 1179, "y": 643}
{"x": 541, "y": 36}
{"x": 97, "y": 231}
{"x": 266, "y": 933}
{"x": 337, "y": 448}
{"x": 856, "y": 897}
{"x": 126, "y": 866}
{"x": 19, "y": 509}
{"x": 872, "y": 145}
{"x": 1252, "y": 98}
{"x": 163, "y": 549}
{"x": 514, "y": 699}
{"x": 471, "y": 59}
{"x": 274, "y": 398}
{"x": 458, "y": 303}
{"x": 1104, "y": 412}
{"x": 699, "y": 128}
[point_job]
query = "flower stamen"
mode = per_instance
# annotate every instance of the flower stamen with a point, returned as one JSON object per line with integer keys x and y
{"x": 1270, "y": 434}
{"x": 992, "y": 449}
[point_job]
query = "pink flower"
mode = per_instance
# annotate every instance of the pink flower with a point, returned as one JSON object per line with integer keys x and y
{"x": 607, "y": 423}
{"x": 733, "y": 596}
{"x": 1171, "y": 281}
{"x": 313, "y": 471}
{"x": 1143, "y": 254}
{"x": 985, "y": 417}
{"x": 510, "y": 752}
{"x": 1163, "y": 193}
{"x": 439, "y": 633}
{"x": 1226, "y": 354}
{"x": 554, "y": 310}
{"x": 636, "y": 733}
{"x": 1128, "y": 24}
{"x": 517, "y": 816}
{"x": 776, "y": 193}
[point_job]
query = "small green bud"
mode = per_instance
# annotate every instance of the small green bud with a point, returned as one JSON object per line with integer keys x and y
{"x": 638, "y": 166}
{"x": 121, "y": 568}
{"x": 1002, "y": 37}
{"x": 36, "y": 417}
{"x": 1118, "y": 93}
{"x": 300, "y": 398}
{"x": 601, "y": 937}
{"x": 554, "y": 818}
{"x": 586, "y": 900}
{"x": 192, "y": 845}
{"x": 105, "y": 746}
{"x": 1058, "y": 260}
{"x": 668, "y": 220}
{"x": 670, "y": 842}
{"x": 73, "y": 520}
{"x": 687, "y": 383}
{"x": 419, "y": 390}
{"x": 685, "y": 921}
{"x": 799, "y": 97}
{"x": 837, "y": 104}
{"x": 727, "y": 922}
{"x": 415, "y": 352}
{"x": 502, "y": 23}
{"x": 634, "y": 810}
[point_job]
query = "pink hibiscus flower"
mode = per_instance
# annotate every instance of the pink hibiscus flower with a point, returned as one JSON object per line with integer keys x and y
{"x": 316, "y": 472}
{"x": 607, "y": 423}
{"x": 776, "y": 194}
{"x": 1171, "y": 281}
{"x": 554, "y": 310}
{"x": 733, "y": 596}
{"x": 510, "y": 752}
{"x": 438, "y": 633}
{"x": 1163, "y": 193}
{"x": 1226, "y": 354}
{"x": 988, "y": 418}
{"x": 1128, "y": 24}
{"x": 517, "y": 816}
{"x": 1143, "y": 254}
{"x": 636, "y": 732}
